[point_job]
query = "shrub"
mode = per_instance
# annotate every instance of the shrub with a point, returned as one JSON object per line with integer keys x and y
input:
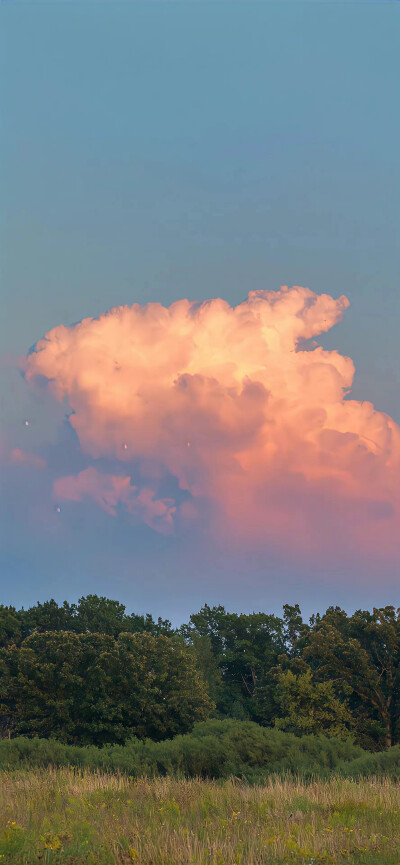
{"x": 214, "y": 749}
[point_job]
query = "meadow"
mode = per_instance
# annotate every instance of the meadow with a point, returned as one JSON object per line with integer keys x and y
{"x": 64, "y": 815}
{"x": 121, "y": 741}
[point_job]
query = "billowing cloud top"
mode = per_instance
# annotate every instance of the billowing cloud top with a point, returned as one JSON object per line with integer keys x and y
{"x": 255, "y": 426}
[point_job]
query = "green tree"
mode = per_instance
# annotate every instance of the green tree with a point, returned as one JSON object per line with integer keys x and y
{"x": 137, "y": 624}
{"x": 311, "y": 707}
{"x": 94, "y": 689}
{"x": 47, "y": 617}
{"x": 295, "y": 630}
{"x": 362, "y": 652}
{"x": 92, "y": 614}
{"x": 207, "y": 665}
{"x": 245, "y": 648}
{"x": 10, "y": 625}
{"x": 99, "y": 615}
{"x": 208, "y": 622}
{"x": 175, "y": 693}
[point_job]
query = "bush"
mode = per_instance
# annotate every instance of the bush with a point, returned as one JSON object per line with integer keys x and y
{"x": 214, "y": 749}
{"x": 381, "y": 764}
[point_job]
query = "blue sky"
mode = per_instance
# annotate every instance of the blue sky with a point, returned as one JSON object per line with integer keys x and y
{"x": 153, "y": 151}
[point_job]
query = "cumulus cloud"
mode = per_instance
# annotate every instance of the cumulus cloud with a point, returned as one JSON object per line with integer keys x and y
{"x": 233, "y": 405}
{"x": 108, "y": 491}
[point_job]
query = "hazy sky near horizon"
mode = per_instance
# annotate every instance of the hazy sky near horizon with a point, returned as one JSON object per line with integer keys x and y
{"x": 157, "y": 151}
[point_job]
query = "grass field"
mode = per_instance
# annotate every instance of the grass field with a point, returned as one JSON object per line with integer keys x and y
{"x": 67, "y": 816}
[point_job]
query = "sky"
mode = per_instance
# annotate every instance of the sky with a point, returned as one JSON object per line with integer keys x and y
{"x": 199, "y": 365}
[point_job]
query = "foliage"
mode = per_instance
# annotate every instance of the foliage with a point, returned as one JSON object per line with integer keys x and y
{"x": 91, "y": 688}
{"x": 384, "y": 764}
{"x": 338, "y": 675}
{"x": 92, "y": 614}
{"x": 311, "y": 707}
{"x": 245, "y": 648}
{"x": 10, "y": 625}
{"x": 361, "y": 653}
{"x": 214, "y": 749}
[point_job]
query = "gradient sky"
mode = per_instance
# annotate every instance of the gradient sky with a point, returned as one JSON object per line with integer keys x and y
{"x": 158, "y": 151}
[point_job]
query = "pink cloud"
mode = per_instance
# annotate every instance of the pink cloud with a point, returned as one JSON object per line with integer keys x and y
{"x": 284, "y": 458}
{"x": 108, "y": 491}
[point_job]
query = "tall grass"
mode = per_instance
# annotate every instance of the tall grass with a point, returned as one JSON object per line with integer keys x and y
{"x": 65, "y": 816}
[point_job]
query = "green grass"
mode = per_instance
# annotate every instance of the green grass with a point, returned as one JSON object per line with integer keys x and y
{"x": 65, "y": 816}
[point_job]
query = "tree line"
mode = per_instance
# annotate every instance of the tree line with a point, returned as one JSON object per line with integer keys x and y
{"x": 89, "y": 673}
